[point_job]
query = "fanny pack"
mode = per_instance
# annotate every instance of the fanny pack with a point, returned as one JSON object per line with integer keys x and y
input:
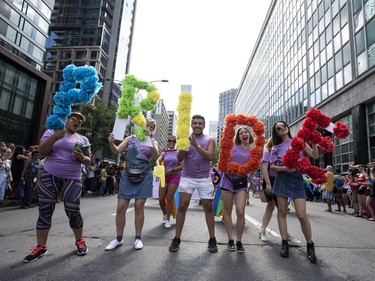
{"x": 238, "y": 183}
{"x": 136, "y": 175}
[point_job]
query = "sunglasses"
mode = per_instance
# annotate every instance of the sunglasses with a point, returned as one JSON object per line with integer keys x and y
{"x": 280, "y": 128}
{"x": 75, "y": 119}
{"x": 171, "y": 141}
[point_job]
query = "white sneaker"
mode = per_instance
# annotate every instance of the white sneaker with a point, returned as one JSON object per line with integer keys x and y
{"x": 167, "y": 224}
{"x": 114, "y": 244}
{"x": 293, "y": 241}
{"x": 164, "y": 218}
{"x": 138, "y": 244}
{"x": 262, "y": 236}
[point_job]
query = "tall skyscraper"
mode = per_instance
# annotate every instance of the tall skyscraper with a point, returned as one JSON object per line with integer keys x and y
{"x": 162, "y": 124}
{"x": 24, "y": 89}
{"x": 212, "y": 130}
{"x": 172, "y": 123}
{"x": 318, "y": 53}
{"x": 226, "y": 105}
{"x": 96, "y": 33}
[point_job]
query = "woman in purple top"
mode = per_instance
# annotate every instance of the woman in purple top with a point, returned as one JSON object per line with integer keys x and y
{"x": 137, "y": 158}
{"x": 289, "y": 183}
{"x": 240, "y": 155}
{"x": 172, "y": 178}
{"x": 61, "y": 174}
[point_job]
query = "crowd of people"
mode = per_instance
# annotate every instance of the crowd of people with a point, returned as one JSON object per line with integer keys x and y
{"x": 67, "y": 172}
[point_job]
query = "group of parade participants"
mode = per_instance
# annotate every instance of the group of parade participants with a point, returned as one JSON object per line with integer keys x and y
{"x": 185, "y": 170}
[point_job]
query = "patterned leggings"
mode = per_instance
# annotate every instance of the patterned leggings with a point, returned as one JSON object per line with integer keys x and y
{"x": 48, "y": 189}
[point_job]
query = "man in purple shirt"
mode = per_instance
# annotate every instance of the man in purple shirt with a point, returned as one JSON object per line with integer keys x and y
{"x": 196, "y": 175}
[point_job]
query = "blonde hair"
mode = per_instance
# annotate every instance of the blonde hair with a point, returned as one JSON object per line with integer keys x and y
{"x": 153, "y": 121}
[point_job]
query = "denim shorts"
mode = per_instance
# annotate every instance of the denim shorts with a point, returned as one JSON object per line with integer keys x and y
{"x": 289, "y": 185}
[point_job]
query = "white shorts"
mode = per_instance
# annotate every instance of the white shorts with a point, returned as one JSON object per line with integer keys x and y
{"x": 204, "y": 187}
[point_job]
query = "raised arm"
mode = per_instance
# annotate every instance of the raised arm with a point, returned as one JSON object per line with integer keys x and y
{"x": 121, "y": 147}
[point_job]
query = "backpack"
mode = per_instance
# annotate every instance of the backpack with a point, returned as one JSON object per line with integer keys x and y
{"x": 340, "y": 182}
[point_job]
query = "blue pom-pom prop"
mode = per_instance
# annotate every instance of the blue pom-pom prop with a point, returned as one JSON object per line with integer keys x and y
{"x": 69, "y": 95}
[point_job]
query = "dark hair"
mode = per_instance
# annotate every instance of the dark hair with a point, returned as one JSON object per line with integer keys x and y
{"x": 276, "y": 139}
{"x": 197, "y": 116}
{"x": 338, "y": 171}
{"x": 237, "y": 137}
{"x": 35, "y": 152}
{"x": 171, "y": 136}
{"x": 18, "y": 150}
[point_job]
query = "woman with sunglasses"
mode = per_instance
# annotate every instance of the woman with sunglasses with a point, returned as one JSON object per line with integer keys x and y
{"x": 172, "y": 169}
{"x": 61, "y": 174}
{"x": 289, "y": 183}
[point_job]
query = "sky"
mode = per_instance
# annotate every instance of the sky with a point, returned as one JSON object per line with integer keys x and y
{"x": 203, "y": 43}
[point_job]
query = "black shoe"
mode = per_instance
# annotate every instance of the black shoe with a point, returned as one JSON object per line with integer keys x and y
{"x": 175, "y": 245}
{"x": 311, "y": 253}
{"x": 81, "y": 247}
{"x": 284, "y": 249}
{"x": 36, "y": 253}
{"x": 231, "y": 245}
{"x": 240, "y": 248}
{"x": 212, "y": 247}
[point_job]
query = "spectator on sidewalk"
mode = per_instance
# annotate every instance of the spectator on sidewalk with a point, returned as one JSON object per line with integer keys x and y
{"x": 371, "y": 191}
{"x": 327, "y": 188}
{"x": 5, "y": 171}
{"x": 339, "y": 186}
{"x": 30, "y": 176}
{"x": 18, "y": 163}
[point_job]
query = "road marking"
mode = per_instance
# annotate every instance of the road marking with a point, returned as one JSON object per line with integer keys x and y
{"x": 259, "y": 225}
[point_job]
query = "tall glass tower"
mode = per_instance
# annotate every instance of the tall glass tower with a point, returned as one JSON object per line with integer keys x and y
{"x": 318, "y": 53}
{"x": 96, "y": 33}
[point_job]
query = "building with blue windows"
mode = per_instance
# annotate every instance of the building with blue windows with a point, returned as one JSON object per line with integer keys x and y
{"x": 24, "y": 88}
{"x": 317, "y": 53}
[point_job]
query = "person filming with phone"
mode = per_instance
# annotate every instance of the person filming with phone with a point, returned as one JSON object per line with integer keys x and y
{"x": 61, "y": 173}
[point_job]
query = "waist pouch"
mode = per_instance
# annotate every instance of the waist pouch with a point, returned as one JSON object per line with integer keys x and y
{"x": 136, "y": 175}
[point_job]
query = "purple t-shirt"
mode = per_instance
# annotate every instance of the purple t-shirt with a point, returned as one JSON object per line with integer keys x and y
{"x": 195, "y": 166}
{"x": 266, "y": 158}
{"x": 146, "y": 150}
{"x": 240, "y": 155}
{"x": 60, "y": 160}
{"x": 170, "y": 159}
{"x": 278, "y": 151}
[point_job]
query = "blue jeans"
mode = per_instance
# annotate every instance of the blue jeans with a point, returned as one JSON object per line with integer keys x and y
{"x": 103, "y": 185}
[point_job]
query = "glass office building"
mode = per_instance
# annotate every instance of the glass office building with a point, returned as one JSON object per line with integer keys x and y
{"x": 96, "y": 33}
{"x": 316, "y": 53}
{"x": 226, "y": 101}
{"x": 24, "y": 89}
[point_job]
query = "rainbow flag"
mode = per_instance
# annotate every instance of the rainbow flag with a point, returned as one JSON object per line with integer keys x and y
{"x": 217, "y": 204}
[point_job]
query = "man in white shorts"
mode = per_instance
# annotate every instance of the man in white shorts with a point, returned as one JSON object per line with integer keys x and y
{"x": 196, "y": 175}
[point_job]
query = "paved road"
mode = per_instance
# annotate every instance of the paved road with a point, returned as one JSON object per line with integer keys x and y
{"x": 345, "y": 247}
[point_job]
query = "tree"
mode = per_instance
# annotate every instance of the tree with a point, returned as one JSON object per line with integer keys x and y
{"x": 216, "y": 157}
{"x": 100, "y": 119}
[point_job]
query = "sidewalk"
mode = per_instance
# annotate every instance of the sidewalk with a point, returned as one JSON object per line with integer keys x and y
{"x": 10, "y": 203}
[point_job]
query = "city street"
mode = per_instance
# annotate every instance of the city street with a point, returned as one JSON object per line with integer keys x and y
{"x": 345, "y": 247}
